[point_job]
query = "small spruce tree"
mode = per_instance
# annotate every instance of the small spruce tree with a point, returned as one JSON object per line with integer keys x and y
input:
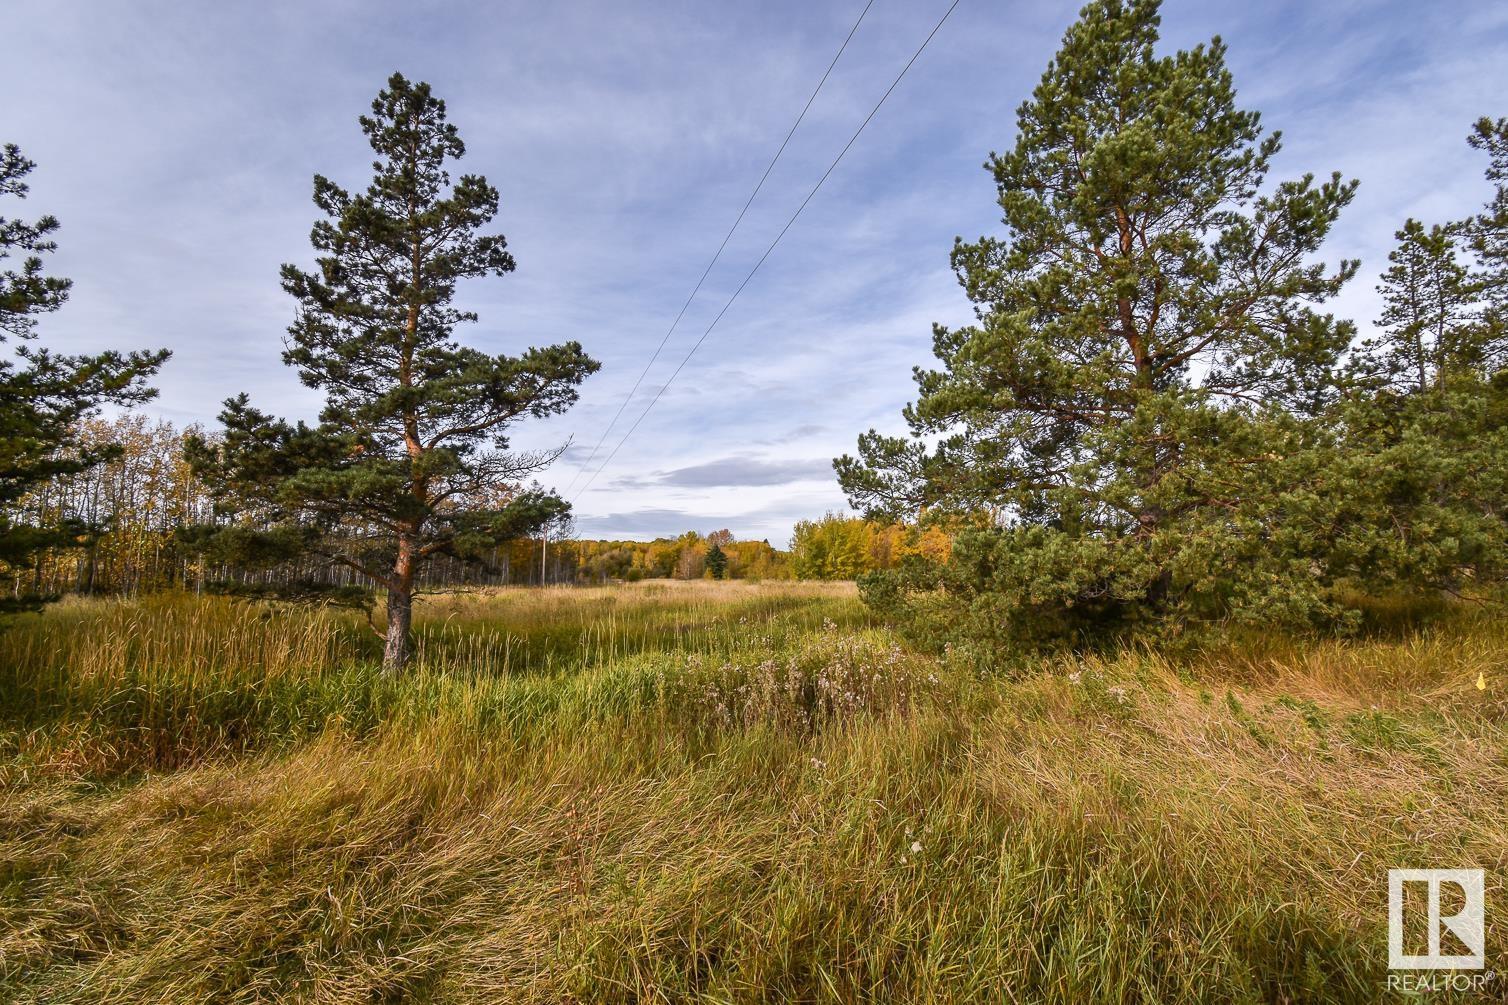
{"x": 717, "y": 561}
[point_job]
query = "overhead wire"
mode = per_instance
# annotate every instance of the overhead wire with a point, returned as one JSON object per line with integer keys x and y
{"x": 721, "y": 247}
{"x": 789, "y": 223}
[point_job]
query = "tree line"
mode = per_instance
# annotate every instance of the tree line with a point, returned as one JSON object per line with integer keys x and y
{"x": 136, "y": 514}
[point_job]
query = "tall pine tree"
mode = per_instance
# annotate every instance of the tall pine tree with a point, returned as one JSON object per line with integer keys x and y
{"x": 1147, "y": 339}
{"x": 1489, "y": 239}
{"x": 1429, "y": 322}
{"x": 410, "y": 458}
{"x": 1416, "y": 483}
{"x": 45, "y": 395}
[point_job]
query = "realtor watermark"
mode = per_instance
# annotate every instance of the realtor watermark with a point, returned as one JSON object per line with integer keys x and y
{"x": 1468, "y": 924}
{"x": 1452, "y": 906}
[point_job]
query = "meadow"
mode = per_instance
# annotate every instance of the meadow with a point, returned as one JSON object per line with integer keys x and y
{"x": 720, "y": 792}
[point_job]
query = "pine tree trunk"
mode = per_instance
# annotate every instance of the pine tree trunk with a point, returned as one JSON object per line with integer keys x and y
{"x": 398, "y": 646}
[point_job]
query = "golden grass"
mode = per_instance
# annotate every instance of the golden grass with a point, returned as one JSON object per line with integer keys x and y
{"x": 722, "y": 793}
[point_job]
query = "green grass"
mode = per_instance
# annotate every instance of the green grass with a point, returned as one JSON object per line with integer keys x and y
{"x": 719, "y": 793}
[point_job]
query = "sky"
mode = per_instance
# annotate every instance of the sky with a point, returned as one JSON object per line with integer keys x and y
{"x": 176, "y": 142}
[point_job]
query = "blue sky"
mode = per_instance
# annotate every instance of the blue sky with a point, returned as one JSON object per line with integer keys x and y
{"x": 176, "y": 142}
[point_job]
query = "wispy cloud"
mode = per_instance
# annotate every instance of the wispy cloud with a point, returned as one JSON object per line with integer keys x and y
{"x": 736, "y": 471}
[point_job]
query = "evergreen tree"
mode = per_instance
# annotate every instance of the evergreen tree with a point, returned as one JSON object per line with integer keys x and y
{"x": 1489, "y": 240}
{"x": 44, "y": 396}
{"x": 1428, "y": 323}
{"x": 1489, "y": 230}
{"x": 1416, "y": 485}
{"x": 1147, "y": 342}
{"x": 717, "y": 561}
{"x": 410, "y": 458}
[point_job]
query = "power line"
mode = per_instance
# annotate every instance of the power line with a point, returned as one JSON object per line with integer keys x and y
{"x": 831, "y": 167}
{"x": 726, "y": 237}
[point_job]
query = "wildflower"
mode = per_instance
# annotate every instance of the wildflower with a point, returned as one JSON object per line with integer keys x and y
{"x": 1118, "y": 693}
{"x": 1074, "y": 677}
{"x": 916, "y": 847}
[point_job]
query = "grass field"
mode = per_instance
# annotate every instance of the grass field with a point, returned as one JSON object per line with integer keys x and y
{"x": 722, "y": 793}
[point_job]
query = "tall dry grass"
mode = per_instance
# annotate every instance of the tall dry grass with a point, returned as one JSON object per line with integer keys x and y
{"x": 727, "y": 794}
{"x": 114, "y": 685}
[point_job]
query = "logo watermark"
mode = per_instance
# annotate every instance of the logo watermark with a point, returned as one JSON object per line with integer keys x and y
{"x": 1465, "y": 925}
{"x": 1468, "y": 925}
